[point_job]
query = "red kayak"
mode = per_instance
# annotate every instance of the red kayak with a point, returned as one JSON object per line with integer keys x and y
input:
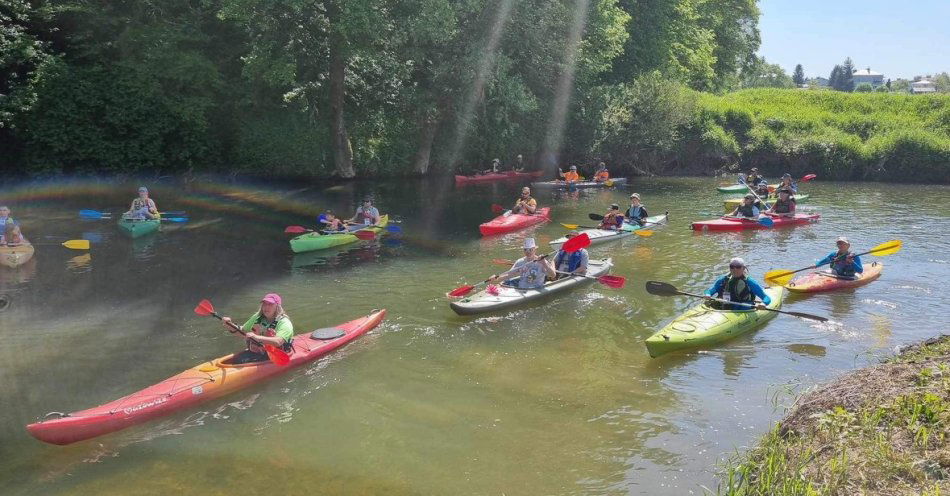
{"x": 514, "y": 222}
{"x": 500, "y": 176}
{"x": 196, "y": 385}
{"x": 737, "y": 224}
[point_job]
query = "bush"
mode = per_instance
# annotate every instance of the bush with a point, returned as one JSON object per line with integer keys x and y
{"x": 864, "y": 88}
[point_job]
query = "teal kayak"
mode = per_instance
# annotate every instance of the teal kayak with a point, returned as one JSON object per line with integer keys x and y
{"x": 136, "y": 227}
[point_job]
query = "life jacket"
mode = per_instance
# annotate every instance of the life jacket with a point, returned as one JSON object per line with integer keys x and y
{"x": 783, "y": 207}
{"x": 270, "y": 332}
{"x": 573, "y": 262}
{"x": 635, "y": 212}
{"x": 736, "y": 289}
{"x": 842, "y": 266}
{"x": 612, "y": 220}
{"x": 365, "y": 215}
{"x": 746, "y": 210}
{"x": 139, "y": 204}
{"x": 602, "y": 176}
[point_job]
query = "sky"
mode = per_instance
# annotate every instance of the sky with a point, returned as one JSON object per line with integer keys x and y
{"x": 897, "y": 38}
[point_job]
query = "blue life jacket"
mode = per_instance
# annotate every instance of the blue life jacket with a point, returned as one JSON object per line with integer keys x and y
{"x": 572, "y": 263}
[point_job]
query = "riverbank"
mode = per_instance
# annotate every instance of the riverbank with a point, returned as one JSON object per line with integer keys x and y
{"x": 878, "y": 430}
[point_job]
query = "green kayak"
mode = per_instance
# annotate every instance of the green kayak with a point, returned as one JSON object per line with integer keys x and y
{"x": 731, "y": 205}
{"x": 703, "y": 326}
{"x": 740, "y": 188}
{"x": 136, "y": 228}
{"x": 315, "y": 241}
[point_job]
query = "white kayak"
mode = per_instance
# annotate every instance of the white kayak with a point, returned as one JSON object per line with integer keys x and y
{"x": 508, "y": 296}
{"x": 615, "y": 181}
{"x": 598, "y": 236}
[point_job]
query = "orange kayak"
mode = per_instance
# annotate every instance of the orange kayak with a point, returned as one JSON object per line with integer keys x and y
{"x": 816, "y": 282}
{"x": 196, "y": 385}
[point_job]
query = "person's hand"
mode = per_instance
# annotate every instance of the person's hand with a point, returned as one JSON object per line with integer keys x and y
{"x": 251, "y": 335}
{"x": 761, "y": 306}
{"x": 226, "y": 321}
{"x": 493, "y": 279}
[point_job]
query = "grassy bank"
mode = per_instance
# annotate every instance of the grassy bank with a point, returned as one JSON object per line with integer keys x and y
{"x": 882, "y": 430}
{"x": 847, "y": 136}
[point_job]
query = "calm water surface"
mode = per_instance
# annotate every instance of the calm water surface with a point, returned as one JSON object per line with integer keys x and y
{"x": 560, "y": 398}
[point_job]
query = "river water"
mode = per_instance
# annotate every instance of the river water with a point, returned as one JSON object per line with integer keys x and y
{"x": 559, "y": 398}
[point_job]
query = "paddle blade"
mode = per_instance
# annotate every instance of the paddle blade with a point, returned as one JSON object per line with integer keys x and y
{"x": 570, "y": 226}
{"x": 779, "y": 277}
{"x": 90, "y": 214}
{"x": 365, "y": 235}
{"x": 461, "y": 291}
{"x": 609, "y": 183}
{"x": 887, "y": 248}
{"x": 394, "y": 229}
{"x": 659, "y": 288}
{"x": 595, "y": 217}
{"x": 497, "y": 209}
{"x": 77, "y": 244}
{"x": 576, "y": 243}
{"x": 502, "y": 261}
{"x": 277, "y": 355}
{"x": 175, "y": 219}
{"x": 807, "y": 316}
{"x": 295, "y": 230}
{"x": 766, "y": 221}
{"x": 204, "y": 308}
{"x": 809, "y": 177}
{"x": 616, "y": 282}
{"x": 644, "y": 233}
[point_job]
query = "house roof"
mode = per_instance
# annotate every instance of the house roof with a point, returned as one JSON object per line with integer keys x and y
{"x": 866, "y": 72}
{"x": 922, "y": 83}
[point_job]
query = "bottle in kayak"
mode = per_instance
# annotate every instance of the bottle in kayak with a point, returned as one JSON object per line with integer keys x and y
{"x": 514, "y": 222}
{"x": 196, "y": 385}
{"x": 703, "y": 325}
{"x": 820, "y": 281}
{"x": 742, "y": 224}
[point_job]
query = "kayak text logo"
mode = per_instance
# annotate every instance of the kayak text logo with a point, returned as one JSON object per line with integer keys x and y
{"x": 143, "y": 406}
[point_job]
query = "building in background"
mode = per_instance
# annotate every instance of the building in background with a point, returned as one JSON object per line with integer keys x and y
{"x": 861, "y": 76}
{"x": 922, "y": 86}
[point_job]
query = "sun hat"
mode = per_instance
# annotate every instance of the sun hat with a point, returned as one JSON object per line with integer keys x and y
{"x": 842, "y": 239}
{"x": 529, "y": 243}
{"x": 614, "y": 206}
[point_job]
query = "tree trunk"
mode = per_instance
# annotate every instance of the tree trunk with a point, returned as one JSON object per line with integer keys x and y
{"x": 427, "y": 137}
{"x": 340, "y": 140}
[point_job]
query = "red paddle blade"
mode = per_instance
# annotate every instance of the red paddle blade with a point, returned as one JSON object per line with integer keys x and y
{"x": 809, "y": 177}
{"x": 365, "y": 235}
{"x": 461, "y": 291}
{"x": 576, "y": 243}
{"x": 277, "y": 355}
{"x": 616, "y": 282}
{"x": 295, "y": 230}
{"x": 204, "y": 308}
{"x": 497, "y": 209}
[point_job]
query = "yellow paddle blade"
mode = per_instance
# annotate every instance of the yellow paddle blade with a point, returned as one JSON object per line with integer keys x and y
{"x": 77, "y": 244}
{"x": 887, "y": 248}
{"x": 570, "y": 226}
{"x": 780, "y": 277}
{"x": 644, "y": 233}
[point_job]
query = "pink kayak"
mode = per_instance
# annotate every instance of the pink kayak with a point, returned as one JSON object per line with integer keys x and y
{"x": 514, "y": 222}
{"x": 737, "y": 224}
{"x": 501, "y": 176}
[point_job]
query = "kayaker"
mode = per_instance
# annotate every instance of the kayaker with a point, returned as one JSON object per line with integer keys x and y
{"x": 12, "y": 236}
{"x": 788, "y": 184}
{"x": 143, "y": 207}
{"x": 495, "y": 165}
{"x": 784, "y": 206}
{"x": 366, "y": 215}
{"x": 737, "y": 287}
{"x": 570, "y": 176}
{"x": 519, "y": 164}
{"x": 843, "y": 263}
{"x": 530, "y": 270}
{"x": 613, "y": 219}
{"x": 269, "y": 325}
{"x": 754, "y": 178}
{"x": 748, "y": 208}
{"x": 525, "y": 204}
{"x": 571, "y": 263}
{"x": 762, "y": 189}
{"x": 332, "y": 223}
{"x": 602, "y": 174}
{"x": 637, "y": 213}
{"x": 5, "y": 217}
{"x": 742, "y": 178}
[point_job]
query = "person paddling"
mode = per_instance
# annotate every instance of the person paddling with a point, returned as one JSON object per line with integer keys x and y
{"x": 530, "y": 270}
{"x": 143, "y": 207}
{"x": 788, "y": 184}
{"x": 747, "y": 209}
{"x": 602, "y": 174}
{"x": 269, "y": 325}
{"x": 571, "y": 263}
{"x": 331, "y": 222}
{"x": 844, "y": 263}
{"x": 495, "y": 167}
{"x": 5, "y": 217}
{"x": 784, "y": 206}
{"x": 570, "y": 176}
{"x": 637, "y": 213}
{"x": 755, "y": 178}
{"x": 613, "y": 219}
{"x": 519, "y": 164}
{"x": 737, "y": 287}
{"x": 366, "y": 215}
{"x": 525, "y": 204}
{"x": 12, "y": 236}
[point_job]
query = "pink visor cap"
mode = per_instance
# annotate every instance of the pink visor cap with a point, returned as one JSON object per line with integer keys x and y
{"x": 271, "y": 298}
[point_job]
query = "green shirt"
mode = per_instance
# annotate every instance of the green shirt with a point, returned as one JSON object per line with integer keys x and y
{"x": 284, "y": 328}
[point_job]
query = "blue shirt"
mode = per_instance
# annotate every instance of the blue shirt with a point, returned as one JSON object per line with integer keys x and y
{"x": 755, "y": 287}
{"x": 858, "y": 267}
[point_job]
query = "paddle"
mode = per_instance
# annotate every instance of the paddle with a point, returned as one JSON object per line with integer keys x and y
{"x": 782, "y": 277}
{"x": 765, "y": 221}
{"x": 72, "y": 244}
{"x": 276, "y": 355}
{"x": 95, "y": 214}
{"x": 665, "y": 289}
{"x": 497, "y": 209}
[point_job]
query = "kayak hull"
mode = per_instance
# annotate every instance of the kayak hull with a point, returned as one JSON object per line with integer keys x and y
{"x": 579, "y": 184}
{"x": 15, "y": 256}
{"x": 501, "y": 176}
{"x": 702, "y": 326}
{"x": 316, "y": 241}
{"x": 198, "y": 384}
{"x": 138, "y": 228}
{"x": 598, "y": 236}
{"x": 514, "y": 222}
{"x": 735, "y": 224}
{"x": 740, "y": 188}
{"x": 507, "y": 297}
{"x": 817, "y": 282}
{"x": 730, "y": 205}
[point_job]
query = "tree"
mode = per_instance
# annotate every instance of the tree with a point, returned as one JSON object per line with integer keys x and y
{"x": 834, "y": 80}
{"x": 942, "y": 82}
{"x": 847, "y": 75}
{"x": 22, "y": 52}
{"x": 864, "y": 88}
{"x": 799, "y": 76}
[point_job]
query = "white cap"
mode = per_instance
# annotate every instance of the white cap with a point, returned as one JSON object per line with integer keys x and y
{"x": 842, "y": 239}
{"x": 529, "y": 243}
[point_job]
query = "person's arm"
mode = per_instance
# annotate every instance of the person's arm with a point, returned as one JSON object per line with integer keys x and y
{"x": 582, "y": 268}
{"x": 826, "y": 260}
{"x": 643, "y": 213}
{"x": 376, "y": 217}
{"x": 353, "y": 219}
{"x": 531, "y": 206}
{"x": 716, "y": 287}
{"x": 131, "y": 207}
{"x": 549, "y": 268}
{"x": 504, "y": 276}
{"x": 755, "y": 211}
{"x": 152, "y": 207}
{"x": 858, "y": 266}
{"x": 735, "y": 213}
{"x": 758, "y": 291}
